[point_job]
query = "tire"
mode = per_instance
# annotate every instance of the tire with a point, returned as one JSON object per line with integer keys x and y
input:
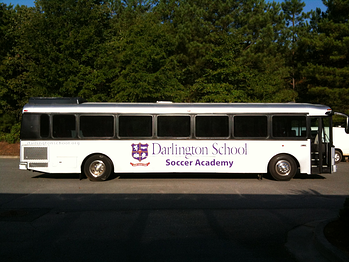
{"x": 98, "y": 167}
{"x": 283, "y": 167}
{"x": 338, "y": 156}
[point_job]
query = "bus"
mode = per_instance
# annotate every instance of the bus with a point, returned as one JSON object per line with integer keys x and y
{"x": 341, "y": 143}
{"x": 97, "y": 139}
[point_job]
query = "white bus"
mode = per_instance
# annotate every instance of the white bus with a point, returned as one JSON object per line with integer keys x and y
{"x": 67, "y": 135}
{"x": 341, "y": 143}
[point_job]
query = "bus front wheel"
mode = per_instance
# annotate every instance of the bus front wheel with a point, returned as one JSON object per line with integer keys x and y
{"x": 337, "y": 156}
{"x": 98, "y": 167}
{"x": 283, "y": 168}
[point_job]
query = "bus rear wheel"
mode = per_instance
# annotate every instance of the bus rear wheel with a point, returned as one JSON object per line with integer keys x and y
{"x": 283, "y": 168}
{"x": 98, "y": 167}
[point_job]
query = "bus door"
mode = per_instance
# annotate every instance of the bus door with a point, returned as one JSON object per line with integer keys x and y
{"x": 321, "y": 145}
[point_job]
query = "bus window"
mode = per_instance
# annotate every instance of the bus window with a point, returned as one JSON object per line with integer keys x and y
{"x": 173, "y": 126}
{"x": 64, "y": 126}
{"x": 250, "y": 126}
{"x": 289, "y": 126}
{"x": 212, "y": 126}
{"x": 35, "y": 126}
{"x": 96, "y": 126}
{"x": 44, "y": 126}
{"x": 326, "y": 129}
{"x": 135, "y": 126}
{"x": 315, "y": 128}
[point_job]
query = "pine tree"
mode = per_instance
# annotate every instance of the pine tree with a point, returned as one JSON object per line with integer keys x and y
{"x": 327, "y": 72}
{"x": 297, "y": 27}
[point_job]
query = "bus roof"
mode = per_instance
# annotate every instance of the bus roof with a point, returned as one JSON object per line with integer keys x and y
{"x": 178, "y": 108}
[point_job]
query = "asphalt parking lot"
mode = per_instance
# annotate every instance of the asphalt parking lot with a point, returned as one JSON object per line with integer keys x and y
{"x": 159, "y": 217}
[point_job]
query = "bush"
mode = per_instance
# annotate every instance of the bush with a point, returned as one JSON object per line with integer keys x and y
{"x": 13, "y": 136}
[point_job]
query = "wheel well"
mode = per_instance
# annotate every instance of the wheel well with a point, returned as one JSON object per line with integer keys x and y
{"x": 284, "y": 154}
{"x": 83, "y": 162}
{"x": 340, "y": 150}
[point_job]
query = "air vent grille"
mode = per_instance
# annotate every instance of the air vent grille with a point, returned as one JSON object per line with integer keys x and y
{"x": 35, "y": 153}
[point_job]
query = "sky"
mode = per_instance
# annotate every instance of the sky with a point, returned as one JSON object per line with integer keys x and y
{"x": 309, "y": 4}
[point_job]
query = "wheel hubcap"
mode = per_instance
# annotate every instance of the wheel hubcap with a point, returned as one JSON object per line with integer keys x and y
{"x": 97, "y": 168}
{"x": 283, "y": 168}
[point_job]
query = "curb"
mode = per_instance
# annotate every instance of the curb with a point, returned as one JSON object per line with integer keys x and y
{"x": 324, "y": 247}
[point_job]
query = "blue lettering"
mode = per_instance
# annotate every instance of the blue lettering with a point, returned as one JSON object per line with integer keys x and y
{"x": 158, "y": 147}
{"x": 214, "y": 162}
{"x": 227, "y": 150}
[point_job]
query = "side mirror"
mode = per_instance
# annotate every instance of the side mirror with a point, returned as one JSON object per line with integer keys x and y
{"x": 346, "y": 121}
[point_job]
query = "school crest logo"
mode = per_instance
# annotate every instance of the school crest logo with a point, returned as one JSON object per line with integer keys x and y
{"x": 139, "y": 152}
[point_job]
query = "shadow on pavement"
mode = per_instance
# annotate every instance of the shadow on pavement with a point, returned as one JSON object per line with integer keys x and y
{"x": 155, "y": 227}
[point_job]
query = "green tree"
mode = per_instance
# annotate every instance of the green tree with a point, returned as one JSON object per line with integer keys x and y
{"x": 263, "y": 29}
{"x": 327, "y": 72}
{"x": 228, "y": 50}
{"x": 297, "y": 27}
{"x": 179, "y": 50}
{"x": 53, "y": 50}
{"x": 60, "y": 43}
{"x": 136, "y": 63}
{"x": 6, "y": 41}
{"x": 10, "y": 102}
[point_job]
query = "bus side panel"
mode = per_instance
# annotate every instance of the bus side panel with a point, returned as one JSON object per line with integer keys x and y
{"x": 221, "y": 156}
{"x": 143, "y": 156}
{"x": 50, "y": 156}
